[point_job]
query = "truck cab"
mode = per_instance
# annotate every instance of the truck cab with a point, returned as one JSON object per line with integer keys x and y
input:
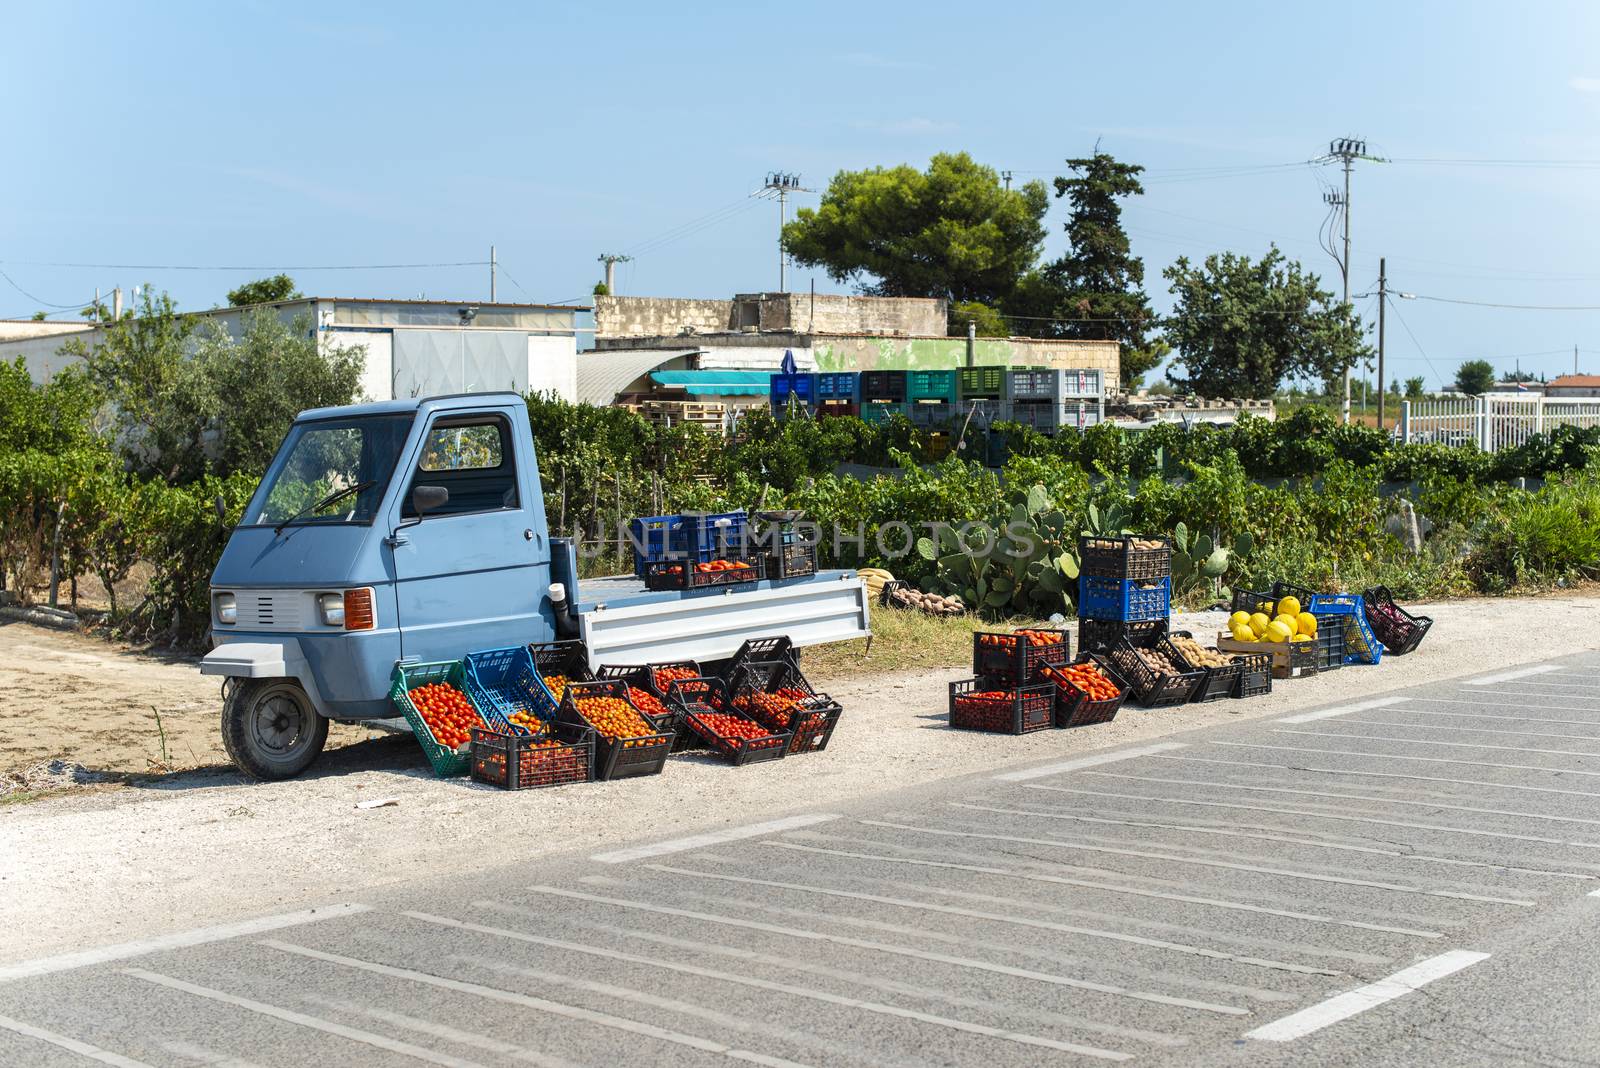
{"x": 413, "y": 531}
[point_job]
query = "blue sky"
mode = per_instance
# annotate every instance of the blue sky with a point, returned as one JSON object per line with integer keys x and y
{"x": 299, "y": 135}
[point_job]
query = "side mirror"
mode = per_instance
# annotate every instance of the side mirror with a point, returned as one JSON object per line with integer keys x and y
{"x": 425, "y": 499}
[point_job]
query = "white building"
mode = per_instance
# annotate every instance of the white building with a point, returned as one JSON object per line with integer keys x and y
{"x": 413, "y": 347}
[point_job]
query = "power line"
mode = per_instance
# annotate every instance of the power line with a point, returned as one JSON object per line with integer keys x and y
{"x": 1420, "y": 350}
{"x": 230, "y": 267}
{"x": 46, "y": 303}
{"x": 1496, "y": 304}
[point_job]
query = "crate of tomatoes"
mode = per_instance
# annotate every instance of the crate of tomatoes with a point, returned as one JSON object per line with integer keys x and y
{"x": 504, "y": 682}
{"x": 1015, "y": 659}
{"x": 648, "y": 689}
{"x": 433, "y": 698}
{"x": 779, "y": 697}
{"x": 737, "y": 738}
{"x": 981, "y": 705}
{"x": 522, "y": 756}
{"x": 692, "y": 575}
{"x": 1088, "y": 690}
{"x": 558, "y": 663}
{"x": 626, "y": 741}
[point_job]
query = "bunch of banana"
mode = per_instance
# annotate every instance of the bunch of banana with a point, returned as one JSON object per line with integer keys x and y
{"x": 875, "y": 577}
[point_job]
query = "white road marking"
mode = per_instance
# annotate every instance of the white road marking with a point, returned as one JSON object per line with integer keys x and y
{"x": 1230, "y": 865}
{"x": 1090, "y": 885}
{"x": 208, "y": 1057}
{"x": 1594, "y": 893}
{"x": 700, "y": 841}
{"x": 1507, "y": 676}
{"x": 122, "y": 951}
{"x": 882, "y": 947}
{"x": 449, "y": 1034}
{"x": 1467, "y": 730}
{"x": 72, "y": 1045}
{"x": 1375, "y": 821}
{"x": 1343, "y": 710}
{"x": 1399, "y": 756}
{"x": 1352, "y": 797}
{"x": 1477, "y": 783}
{"x": 1086, "y": 762}
{"x": 1020, "y": 921}
{"x": 1488, "y": 715}
{"x": 892, "y": 986}
{"x": 1526, "y": 695}
{"x": 368, "y": 1038}
{"x": 1430, "y": 741}
{"x": 781, "y": 988}
{"x": 509, "y": 997}
{"x": 1359, "y": 1000}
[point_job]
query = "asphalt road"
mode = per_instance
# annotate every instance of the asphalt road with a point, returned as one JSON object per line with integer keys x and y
{"x": 1409, "y": 880}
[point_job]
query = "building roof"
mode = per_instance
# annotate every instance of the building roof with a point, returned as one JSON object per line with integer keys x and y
{"x": 602, "y": 375}
{"x": 480, "y": 304}
{"x": 715, "y": 383}
{"x": 1574, "y": 382}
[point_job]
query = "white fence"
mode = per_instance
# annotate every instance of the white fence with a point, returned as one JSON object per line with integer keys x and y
{"x": 1493, "y": 421}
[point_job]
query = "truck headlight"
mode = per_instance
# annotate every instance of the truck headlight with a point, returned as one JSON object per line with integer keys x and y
{"x": 331, "y": 605}
{"x": 227, "y": 607}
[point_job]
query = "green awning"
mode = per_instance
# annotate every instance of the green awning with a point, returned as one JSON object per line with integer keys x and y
{"x": 715, "y": 383}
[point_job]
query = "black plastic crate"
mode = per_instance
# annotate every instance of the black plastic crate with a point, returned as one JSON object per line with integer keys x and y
{"x": 1118, "y": 557}
{"x": 1329, "y": 642}
{"x": 618, "y": 758}
{"x": 1102, "y": 635}
{"x": 709, "y": 574}
{"x": 1220, "y": 682}
{"x": 797, "y": 560}
{"x": 517, "y": 760}
{"x": 1398, "y": 630}
{"x": 1153, "y": 687}
{"x": 1014, "y": 659}
{"x": 1074, "y": 707}
{"x": 642, "y": 692}
{"x": 777, "y": 695}
{"x": 1255, "y": 678}
{"x": 700, "y": 700}
{"x": 773, "y": 650}
{"x": 883, "y": 386}
{"x": 1252, "y": 600}
{"x": 568, "y": 660}
{"x": 981, "y": 705}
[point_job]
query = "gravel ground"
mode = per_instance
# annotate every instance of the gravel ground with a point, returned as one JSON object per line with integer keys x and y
{"x": 94, "y": 865}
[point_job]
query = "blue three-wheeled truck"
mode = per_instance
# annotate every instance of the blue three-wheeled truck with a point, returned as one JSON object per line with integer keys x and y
{"x": 414, "y": 530}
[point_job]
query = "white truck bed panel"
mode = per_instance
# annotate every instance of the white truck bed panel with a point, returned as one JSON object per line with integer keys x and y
{"x": 655, "y": 628}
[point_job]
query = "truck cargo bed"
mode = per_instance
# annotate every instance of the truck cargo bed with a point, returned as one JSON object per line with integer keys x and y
{"x": 623, "y": 623}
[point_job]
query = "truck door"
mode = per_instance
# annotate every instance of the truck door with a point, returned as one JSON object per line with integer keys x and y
{"x": 471, "y": 573}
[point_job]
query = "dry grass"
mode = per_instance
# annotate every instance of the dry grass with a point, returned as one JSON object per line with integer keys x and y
{"x": 904, "y": 641}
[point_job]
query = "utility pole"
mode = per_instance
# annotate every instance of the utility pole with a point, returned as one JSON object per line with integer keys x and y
{"x": 780, "y": 184}
{"x": 1007, "y": 176}
{"x": 1574, "y": 359}
{"x": 1345, "y": 151}
{"x": 611, "y": 259}
{"x": 491, "y": 274}
{"x": 1383, "y": 297}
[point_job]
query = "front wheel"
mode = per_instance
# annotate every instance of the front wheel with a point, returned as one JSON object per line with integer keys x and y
{"x": 270, "y": 729}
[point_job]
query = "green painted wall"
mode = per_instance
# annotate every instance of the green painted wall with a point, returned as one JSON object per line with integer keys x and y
{"x": 910, "y": 354}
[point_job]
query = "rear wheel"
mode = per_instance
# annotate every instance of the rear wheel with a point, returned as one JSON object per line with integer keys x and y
{"x": 270, "y": 729}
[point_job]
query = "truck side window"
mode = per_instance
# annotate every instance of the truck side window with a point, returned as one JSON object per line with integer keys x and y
{"x": 471, "y": 456}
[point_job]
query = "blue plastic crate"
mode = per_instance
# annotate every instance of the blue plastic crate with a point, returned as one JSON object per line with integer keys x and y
{"x": 839, "y": 385}
{"x": 1361, "y": 645}
{"x": 702, "y": 536}
{"x": 802, "y": 385}
{"x": 1124, "y": 600}
{"x": 652, "y": 538}
{"x": 503, "y": 682}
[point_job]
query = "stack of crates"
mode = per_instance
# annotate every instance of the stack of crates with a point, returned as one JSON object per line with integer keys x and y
{"x": 931, "y": 396}
{"x": 1009, "y": 692}
{"x": 838, "y": 393}
{"x": 1124, "y": 589}
{"x": 1052, "y": 400}
{"x": 796, "y": 390}
{"x": 883, "y": 395}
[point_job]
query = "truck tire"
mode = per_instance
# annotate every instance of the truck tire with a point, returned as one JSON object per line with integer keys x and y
{"x": 270, "y": 729}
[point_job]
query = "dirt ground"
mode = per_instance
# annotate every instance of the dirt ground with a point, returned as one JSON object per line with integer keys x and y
{"x": 172, "y": 851}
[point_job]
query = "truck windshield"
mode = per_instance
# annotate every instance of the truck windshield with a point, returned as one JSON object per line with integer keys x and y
{"x": 321, "y": 458}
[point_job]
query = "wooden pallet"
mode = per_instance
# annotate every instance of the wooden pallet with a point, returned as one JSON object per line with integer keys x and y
{"x": 711, "y": 416}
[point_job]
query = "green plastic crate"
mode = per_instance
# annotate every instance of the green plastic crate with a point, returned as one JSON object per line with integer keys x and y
{"x": 981, "y": 381}
{"x": 931, "y": 385}
{"x": 407, "y": 677}
{"x": 881, "y": 411}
